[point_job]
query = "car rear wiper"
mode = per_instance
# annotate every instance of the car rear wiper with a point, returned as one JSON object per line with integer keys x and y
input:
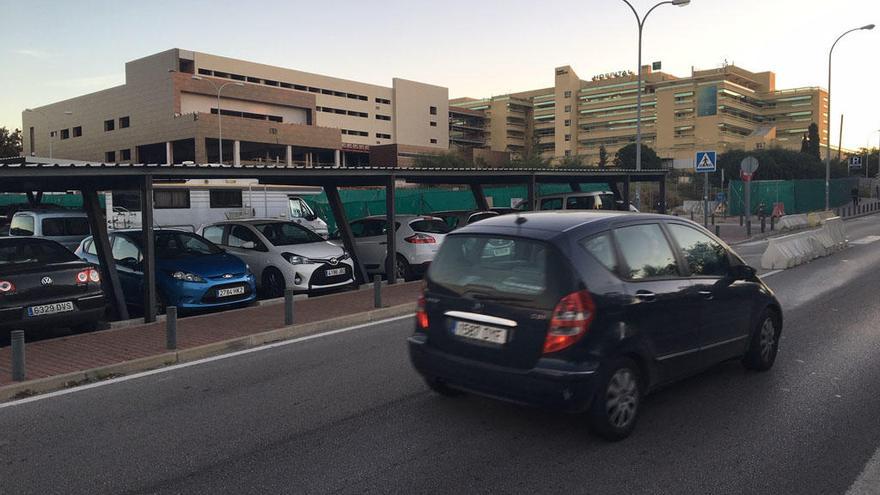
{"x": 482, "y": 296}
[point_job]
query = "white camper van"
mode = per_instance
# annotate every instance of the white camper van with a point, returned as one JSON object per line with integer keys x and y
{"x": 193, "y": 204}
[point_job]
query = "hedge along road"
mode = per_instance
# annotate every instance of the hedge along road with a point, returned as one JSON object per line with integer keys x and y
{"x": 345, "y": 412}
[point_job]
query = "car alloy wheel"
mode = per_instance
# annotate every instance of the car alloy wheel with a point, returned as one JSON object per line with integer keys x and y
{"x": 767, "y": 339}
{"x": 622, "y": 398}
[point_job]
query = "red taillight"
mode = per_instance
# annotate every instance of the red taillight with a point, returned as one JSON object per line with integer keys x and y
{"x": 421, "y": 312}
{"x": 570, "y": 321}
{"x": 6, "y": 287}
{"x": 89, "y": 274}
{"x": 420, "y": 239}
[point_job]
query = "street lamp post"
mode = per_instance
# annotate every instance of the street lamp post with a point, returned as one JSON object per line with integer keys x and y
{"x": 48, "y": 127}
{"x": 219, "y": 111}
{"x": 641, "y": 23}
{"x": 828, "y": 119}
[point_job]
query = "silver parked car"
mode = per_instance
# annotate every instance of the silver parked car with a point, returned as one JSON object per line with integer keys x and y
{"x": 284, "y": 254}
{"x": 66, "y": 227}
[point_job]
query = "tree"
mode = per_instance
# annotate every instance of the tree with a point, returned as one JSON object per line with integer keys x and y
{"x": 10, "y": 142}
{"x": 776, "y": 164}
{"x": 575, "y": 161}
{"x": 603, "y": 156}
{"x": 626, "y": 157}
{"x": 813, "y": 141}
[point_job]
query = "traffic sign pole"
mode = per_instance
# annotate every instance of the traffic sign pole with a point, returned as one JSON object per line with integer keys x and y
{"x": 706, "y": 200}
{"x": 704, "y": 163}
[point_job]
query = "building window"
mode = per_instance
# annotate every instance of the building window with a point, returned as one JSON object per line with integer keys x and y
{"x": 759, "y": 146}
{"x": 226, "y": 199}
{"x": 65, "y": 133}
{"x": 433, "y": 110}
{"x": 177, "y": 198}
{"x": 125, "y": 155}
{"x": 567, "y": 152}
{"x": 568, "y": 94}
{"x": 110, "y": 157}
{"x": 383, "y": 136}
{"x": 77, "y": 131}
{"x": 567, "y": 123}
{"x": 383, "y": 100}
{"x": 383, "y": 117}
{"x": 31, "y": 140}
{"x": 109, "y": 125}
{"x": 124, "y": 122}
{"x": 567, "y": 108}
{"x": 433, "y": 124}
{"x": 129, "y": 200}
{"x": 568, "y": 137}
{"x": 433, "y": 141}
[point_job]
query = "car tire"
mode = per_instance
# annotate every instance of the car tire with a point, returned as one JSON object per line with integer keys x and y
{"x": 273, "y": 283}
{"x": 764, "y": 344}
{"x": 443, "y": 389}
{"x": 403, "y": 270}
{"x": 615, "y": 408}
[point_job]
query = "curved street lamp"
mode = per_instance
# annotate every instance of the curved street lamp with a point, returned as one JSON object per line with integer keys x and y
{"x": 48, "y": 127}
{"x": 828, "y": 120}
{"x": 219, "y": 114}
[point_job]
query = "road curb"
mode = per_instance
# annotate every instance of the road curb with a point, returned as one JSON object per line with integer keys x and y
{"x": 51, "y": 383}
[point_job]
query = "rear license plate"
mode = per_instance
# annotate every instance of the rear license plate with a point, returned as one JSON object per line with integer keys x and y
{"x": 482, "y": 333}
{"x": 334, "y": 272}
{"x": 50, "y": 309}
{"x": 232, "y": 291}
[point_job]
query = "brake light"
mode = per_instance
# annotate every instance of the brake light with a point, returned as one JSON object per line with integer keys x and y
{"x": 420, "y": 239}
{"x": 89, "y": 274}
{"x": 6, "y": 287}
{"x": 570, "y": 321}
{"x": 421, "y": 312}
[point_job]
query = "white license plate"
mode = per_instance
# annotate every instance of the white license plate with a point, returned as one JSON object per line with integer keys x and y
{"x": 334, "y": 272}
{"x": 50, "y": 309}
{"x": 502, "y": 251}
{"x": 232, "y": 291}
{"x": 482, "y": 333}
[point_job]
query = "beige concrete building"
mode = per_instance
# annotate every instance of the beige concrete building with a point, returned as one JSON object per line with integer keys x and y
{"x": 720, "y": 109}
{"x": 167, "y": 111}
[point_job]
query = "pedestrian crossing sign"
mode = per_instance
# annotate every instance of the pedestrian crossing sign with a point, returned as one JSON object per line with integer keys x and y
{"x": 705, "y": 161}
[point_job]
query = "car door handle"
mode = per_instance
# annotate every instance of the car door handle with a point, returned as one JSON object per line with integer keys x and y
{"x": 646, "y": 296}
{"x": 383, "y": 243}
{"x": 707, "y": 294}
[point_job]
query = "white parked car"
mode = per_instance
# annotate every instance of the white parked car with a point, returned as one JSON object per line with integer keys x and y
{"x": 418, "y": 239}
{"x": 284, "y": 254}
{"x": 66, "y": 227}
{"x": 594, "y": 200}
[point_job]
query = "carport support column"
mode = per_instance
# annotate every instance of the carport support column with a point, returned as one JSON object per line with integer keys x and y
{"x": 531, "y": 192}
{"x": 336, "y": 161}
{"x": 100, "y": 237}
{"x": 480, "y": 197}
{"x": 663, "y": 195}
{"x": 169, "y": 153}
{"x": 288, "y": 155}
{"x": 626, "y": 193}
{"x": 149, "y": 250}
{"x": 236, "y": 153}
{"x": 360, "y": 274}
{"x": 390, "y": 232}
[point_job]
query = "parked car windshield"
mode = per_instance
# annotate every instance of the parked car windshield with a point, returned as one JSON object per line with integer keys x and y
{"x": 180, "y": 244}
{"x": 286, "y": 234}
{"x": 430, "y": 226}
{"x": 21, "y": 251}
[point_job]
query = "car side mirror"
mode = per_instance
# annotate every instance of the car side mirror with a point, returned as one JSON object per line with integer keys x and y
{"x": 311, "y": 217}
{"x": 742, "y": 272}
{"x": 248, "y": 245}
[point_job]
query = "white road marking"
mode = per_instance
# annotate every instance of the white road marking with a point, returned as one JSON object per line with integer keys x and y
{"x": 198, "y": 362}
{"x": 866, "y": 240}
{"x": 869, "y": 481}
{"x": 771, "y": 273}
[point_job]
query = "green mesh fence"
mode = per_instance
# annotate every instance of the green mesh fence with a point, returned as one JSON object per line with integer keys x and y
{"x": 359, "y": 203}
{"x": 798, "y": 196}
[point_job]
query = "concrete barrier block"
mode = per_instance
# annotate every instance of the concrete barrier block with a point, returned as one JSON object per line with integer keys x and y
{"x": 792, "y": 222}
{"x": 794, "y": 249}
{"x": 835, "y": 232}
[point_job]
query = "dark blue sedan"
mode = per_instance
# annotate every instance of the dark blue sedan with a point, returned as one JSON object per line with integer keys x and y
{"x": 191, "y": 272}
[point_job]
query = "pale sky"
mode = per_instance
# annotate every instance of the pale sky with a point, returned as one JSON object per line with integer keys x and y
{"x": 55, "y": 50}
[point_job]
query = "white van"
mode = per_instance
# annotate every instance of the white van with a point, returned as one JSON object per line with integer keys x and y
{"x": 594, "y": 200}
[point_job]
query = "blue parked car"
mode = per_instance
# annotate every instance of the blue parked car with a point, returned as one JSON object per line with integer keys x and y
{"x": 192, "y": 273}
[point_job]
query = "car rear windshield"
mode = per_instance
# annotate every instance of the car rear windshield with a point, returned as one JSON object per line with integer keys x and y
{"x": 286, "y": 233}
{"x": 498, "y": 267}
{"x": 63, "y": 226}
{"x": 19, "y": 252}
{"x": 430, "y": 226}
{"x": 604, "y": 201}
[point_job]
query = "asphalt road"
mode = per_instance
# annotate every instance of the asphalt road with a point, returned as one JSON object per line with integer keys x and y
{"x": 345, "y": 413}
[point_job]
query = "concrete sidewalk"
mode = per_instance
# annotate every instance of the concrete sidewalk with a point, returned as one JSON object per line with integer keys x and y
{"x": 52, "y": 364}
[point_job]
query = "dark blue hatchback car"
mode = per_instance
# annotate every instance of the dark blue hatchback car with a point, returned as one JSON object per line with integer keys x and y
{"x": 192, "y": 273}
{"x": 587, "y": 312}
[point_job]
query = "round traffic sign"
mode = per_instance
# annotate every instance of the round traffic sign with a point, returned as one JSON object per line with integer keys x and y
{"x": 749, "y": 165}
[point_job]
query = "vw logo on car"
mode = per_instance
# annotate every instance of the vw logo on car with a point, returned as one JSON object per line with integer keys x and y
{"x": 46, "y": 281}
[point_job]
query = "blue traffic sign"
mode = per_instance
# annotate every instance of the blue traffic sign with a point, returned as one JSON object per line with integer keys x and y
{"x": 705, "y": 161}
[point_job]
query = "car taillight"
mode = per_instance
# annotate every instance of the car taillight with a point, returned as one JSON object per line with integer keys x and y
{"x": 6, "y": 287}
{"x": 420, "y": 239}
{"x": 421, "y": 312}
{"x": 570, "y": 321}
{"x": 87, "y": 275}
